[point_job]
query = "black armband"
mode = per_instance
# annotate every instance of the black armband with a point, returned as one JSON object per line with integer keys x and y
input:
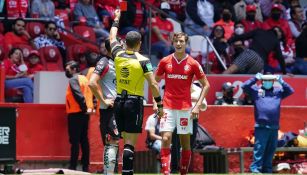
{"x": 158, "y": 99}
{"x": 115, "y": 24}
{"x": 160, "y": 105}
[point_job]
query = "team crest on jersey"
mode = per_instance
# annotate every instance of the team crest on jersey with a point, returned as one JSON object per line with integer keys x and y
{"x": 183, "y": 122}
{"x": 187, "y": 67}
{"x": 169, "y": 66}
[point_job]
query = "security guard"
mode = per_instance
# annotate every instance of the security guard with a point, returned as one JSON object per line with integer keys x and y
{"x": 78, "y": 105}
{"x": 131, "y": 70}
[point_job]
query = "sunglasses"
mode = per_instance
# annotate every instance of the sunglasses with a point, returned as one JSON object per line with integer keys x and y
{"x": 52, "y": 28}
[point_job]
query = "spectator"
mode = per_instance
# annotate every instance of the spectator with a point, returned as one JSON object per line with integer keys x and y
{"x": 34, "y": 64}
{"x": 199, "y": 17}
{"x": 42, "y": 9}
{"x": 16, "y": 74}
{"x": 177, "y": 100}
{"x": 105, "y": 9}
{"x": 272, "y": 65}
{"x": 238, "y": 47}
{"x": 226, "y": 23}
{"x": 78, "y": 104}
{"x": 220, "y": 5}
{"x": 17, "y": 8}
{"x": 300, "y": 66}
{"x": 178, "y": 7}
{"x": 50, "y": 38}
{"x": 252, "y": 60}
{"x": 296, "y": 21}
{"x": 220, "y": 43}
{"x": 18, "y": 35}
{"x": 250, "y": 22}
{"x": 162, "y": 33}
{"x": 267, "y": 101}
{"x": 226, "y": 98}
{"x": 276, "y": 20}
{"x": 84, "y": 8}
{"x": 241, "y": 7}
{"x": 134, "y": 19}
{"x": 154, "y": 139}
{"x": 131, "y": 71}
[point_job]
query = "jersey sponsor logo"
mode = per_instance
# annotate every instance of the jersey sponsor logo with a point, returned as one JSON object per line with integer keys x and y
{"x": 124, "y": 72}
{"x": 177, "y": 76}
{"x": 183, "y": 122}
{"x": 123, "y": 81}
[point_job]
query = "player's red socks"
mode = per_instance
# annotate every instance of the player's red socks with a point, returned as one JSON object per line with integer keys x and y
{"x": 165, "y": 160}
{"x": 185, "y": 161}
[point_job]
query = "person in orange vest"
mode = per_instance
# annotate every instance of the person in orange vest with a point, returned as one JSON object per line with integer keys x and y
{"x": 78, "y": 106}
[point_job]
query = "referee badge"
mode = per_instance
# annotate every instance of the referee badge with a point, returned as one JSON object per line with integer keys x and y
{"x": 149, "y": 67}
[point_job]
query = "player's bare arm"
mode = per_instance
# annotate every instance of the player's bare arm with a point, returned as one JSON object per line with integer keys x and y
{"x": 97, "y": 91}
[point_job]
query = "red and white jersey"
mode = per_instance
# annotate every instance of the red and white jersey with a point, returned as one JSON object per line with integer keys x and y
{"x": 178, "y": 79}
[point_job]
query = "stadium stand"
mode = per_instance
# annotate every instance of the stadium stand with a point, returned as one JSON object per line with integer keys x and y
{"x": 51, "y": 58}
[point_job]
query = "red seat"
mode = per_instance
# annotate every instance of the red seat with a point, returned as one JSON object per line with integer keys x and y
{"x": 26, "y": 49}
{"x": 51, "y": 58}
{"x": 85, "y": 31}
{"x": 73, "y": 51}
{"x": 35, "y": 29}
{"x": 1, "y": 28}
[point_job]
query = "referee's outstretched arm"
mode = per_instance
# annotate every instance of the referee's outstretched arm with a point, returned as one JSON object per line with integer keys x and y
{"x": 115, "y": 25}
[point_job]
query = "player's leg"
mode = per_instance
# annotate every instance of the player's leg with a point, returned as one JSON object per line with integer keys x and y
{"x": 167, "y": 126}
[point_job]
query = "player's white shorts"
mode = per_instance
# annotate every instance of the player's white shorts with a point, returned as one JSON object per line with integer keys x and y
{"x": 180, "y": 119}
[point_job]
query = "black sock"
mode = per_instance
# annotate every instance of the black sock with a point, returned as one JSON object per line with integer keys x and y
{"x": 128, "y": 156}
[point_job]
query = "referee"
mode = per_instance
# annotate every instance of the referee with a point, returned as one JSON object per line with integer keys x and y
{"x": 131, "y": 70}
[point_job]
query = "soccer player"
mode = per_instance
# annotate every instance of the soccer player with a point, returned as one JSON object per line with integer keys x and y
{"x": 102, "y": 84}
{"x": 179, "y": 69}
{"x": 131, "y": 69}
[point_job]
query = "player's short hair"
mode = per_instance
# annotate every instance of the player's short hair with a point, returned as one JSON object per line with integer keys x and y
{"x": 73, "y": 65}
{"x": 180, "y": 34}
{"x": 132, "y": 39}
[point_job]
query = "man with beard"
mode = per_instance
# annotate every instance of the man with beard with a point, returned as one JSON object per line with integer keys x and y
{"x": 19, "y": 35}
{"x": 78, "y": 104}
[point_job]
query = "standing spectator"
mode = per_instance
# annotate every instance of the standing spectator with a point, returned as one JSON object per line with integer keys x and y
{"x": 240, "y": 9}
{"x": 134, "y": 19}
{"x": 102, "y": 84}
{"x": 199, "y": 17}
{"x": 50, "y": 38}
{"x": 300, "y": 66}
{"x": 296, "y": 21}
{"x": 250, "y": 22}
{"x": 84, "y": 8}
{"x": 252, "y": 60}
{"x": 162, "y": 33}
{"x": 226, "y": 98}
{"x": 18, "y": 35}
{"x": 78, "y": 103}
{"x": 42, "y": 9}
{"x": 178, "y": 7}
{"x": 179, "y": 70}
{"x": 131, "y": 70}
{"x": 276, "y": 20}
{"x": 220, "y": 44}
{"x": 34, "y": 64}
{"x": 226, "y": 23}
{"x": 267, "y": 101}
{"x": 16, "y": 74}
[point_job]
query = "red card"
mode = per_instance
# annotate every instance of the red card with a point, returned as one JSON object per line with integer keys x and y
{"x": 123, "y": 6}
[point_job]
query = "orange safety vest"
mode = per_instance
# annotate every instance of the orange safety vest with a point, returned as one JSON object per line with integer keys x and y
{"x": 72, "y": 105}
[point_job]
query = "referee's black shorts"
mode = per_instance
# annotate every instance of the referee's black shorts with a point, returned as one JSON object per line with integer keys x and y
{"x": 129, "y": 114}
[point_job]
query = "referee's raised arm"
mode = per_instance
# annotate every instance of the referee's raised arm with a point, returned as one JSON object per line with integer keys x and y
{"x": 115, "y": 25}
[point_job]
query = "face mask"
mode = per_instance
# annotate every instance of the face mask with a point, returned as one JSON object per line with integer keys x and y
{"x": 275, "y": 16}
{"x": 226, "y": 16}
{"x": 68, "y": 74}
{"x": 238, "y": 50}
{"x": 230, "y": 94}
{"x": 250, "y": 17}
{"x": 267, "y": 84}
{"x": 249, "y": 1}
{"x": 239, "y": 31}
